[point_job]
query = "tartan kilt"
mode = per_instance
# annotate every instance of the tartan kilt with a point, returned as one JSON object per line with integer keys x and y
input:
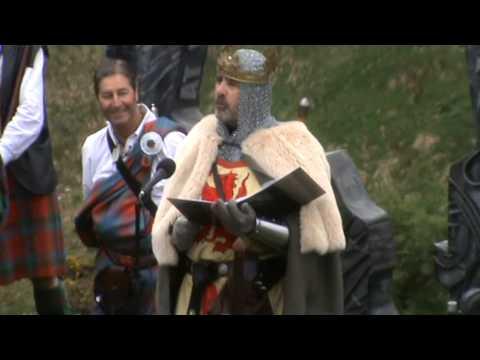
{"x": 31, "y": 239}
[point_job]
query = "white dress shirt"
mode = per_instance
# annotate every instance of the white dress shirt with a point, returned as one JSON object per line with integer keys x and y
{"x": 27, "y": 123}
{"x": 98, "y": 163}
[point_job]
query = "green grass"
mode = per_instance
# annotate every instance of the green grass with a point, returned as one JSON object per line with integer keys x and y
{"x": 402, "y": 112}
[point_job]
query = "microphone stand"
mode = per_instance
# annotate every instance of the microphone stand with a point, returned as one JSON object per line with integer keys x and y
{"x": 140, "y": 206}
{"x": 142, "y": 202}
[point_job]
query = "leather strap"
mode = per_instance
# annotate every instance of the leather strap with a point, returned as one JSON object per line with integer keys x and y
{"x": 132, "y": 183}
{"x": 218, "y": 181}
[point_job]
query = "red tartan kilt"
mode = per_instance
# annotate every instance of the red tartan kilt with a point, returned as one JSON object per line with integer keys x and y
{"x": 31, "y": 240}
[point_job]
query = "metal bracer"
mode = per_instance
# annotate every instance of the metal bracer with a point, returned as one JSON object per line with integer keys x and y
{"x": 270, "y": 234}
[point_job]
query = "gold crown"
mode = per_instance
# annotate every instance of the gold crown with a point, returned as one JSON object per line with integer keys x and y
{"x": 229, "y": 65}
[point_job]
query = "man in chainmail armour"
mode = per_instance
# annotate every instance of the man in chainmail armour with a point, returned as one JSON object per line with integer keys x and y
{"x": 248, "y": 262}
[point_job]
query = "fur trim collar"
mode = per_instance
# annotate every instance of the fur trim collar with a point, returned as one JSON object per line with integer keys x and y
{"x": 276, "y": 151}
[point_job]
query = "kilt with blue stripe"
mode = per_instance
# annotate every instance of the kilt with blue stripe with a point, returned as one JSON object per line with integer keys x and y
{"x": 31, "y": 239}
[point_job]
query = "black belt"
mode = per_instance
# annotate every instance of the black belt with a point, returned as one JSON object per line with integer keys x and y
{"x": 131, "y": 262}
{"x": 203, "y": 274}
{"x": 263, "y": 274}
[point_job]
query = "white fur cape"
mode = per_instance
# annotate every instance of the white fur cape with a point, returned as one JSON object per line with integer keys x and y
{"x": 277, "y": 151}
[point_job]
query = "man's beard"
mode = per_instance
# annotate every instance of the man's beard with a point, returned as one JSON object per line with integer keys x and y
{"x": 226, "y": 115}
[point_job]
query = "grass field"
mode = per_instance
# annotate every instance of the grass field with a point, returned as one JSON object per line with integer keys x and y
{"x": 402, "y": 112}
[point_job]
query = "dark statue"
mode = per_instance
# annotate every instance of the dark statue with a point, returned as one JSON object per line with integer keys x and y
{"x": 369, "y": 259}
{"x": 458, "y": 258}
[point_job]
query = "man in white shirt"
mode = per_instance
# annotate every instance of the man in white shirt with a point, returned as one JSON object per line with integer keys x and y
{"x": 111, "y": 219}
{"x": 99, "y": 164}
{"x": 31, "y": 238}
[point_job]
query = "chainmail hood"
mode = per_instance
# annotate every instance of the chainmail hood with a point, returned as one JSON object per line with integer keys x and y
{"x": 254, "y": 108}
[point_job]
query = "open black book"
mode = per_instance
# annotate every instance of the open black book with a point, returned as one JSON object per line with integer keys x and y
{"x": 275, "y": 199}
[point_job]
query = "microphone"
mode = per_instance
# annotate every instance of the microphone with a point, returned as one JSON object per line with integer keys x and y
{"x": 165, "y": 169}
{"x": 151, "y": 144}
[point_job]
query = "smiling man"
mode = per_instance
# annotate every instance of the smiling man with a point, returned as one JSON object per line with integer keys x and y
{"x": 118, "y": 103}
{"x": 126, "y": 271}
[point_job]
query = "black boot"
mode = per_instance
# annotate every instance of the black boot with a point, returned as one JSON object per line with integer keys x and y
{"x": 51, "y": 301}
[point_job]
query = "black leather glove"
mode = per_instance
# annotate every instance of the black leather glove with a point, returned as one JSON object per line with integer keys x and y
{"x": 184, "y": 233}
{"x": 239, "y": 221}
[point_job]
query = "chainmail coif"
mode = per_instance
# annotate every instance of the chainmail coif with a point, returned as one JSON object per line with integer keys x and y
{"x": 254, "y": 109}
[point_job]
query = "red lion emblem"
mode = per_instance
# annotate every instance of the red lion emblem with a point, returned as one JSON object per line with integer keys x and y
{"x": 229, "y": 183}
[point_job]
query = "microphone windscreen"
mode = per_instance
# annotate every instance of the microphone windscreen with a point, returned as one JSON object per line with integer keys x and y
{"x": 167, "y": 165}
